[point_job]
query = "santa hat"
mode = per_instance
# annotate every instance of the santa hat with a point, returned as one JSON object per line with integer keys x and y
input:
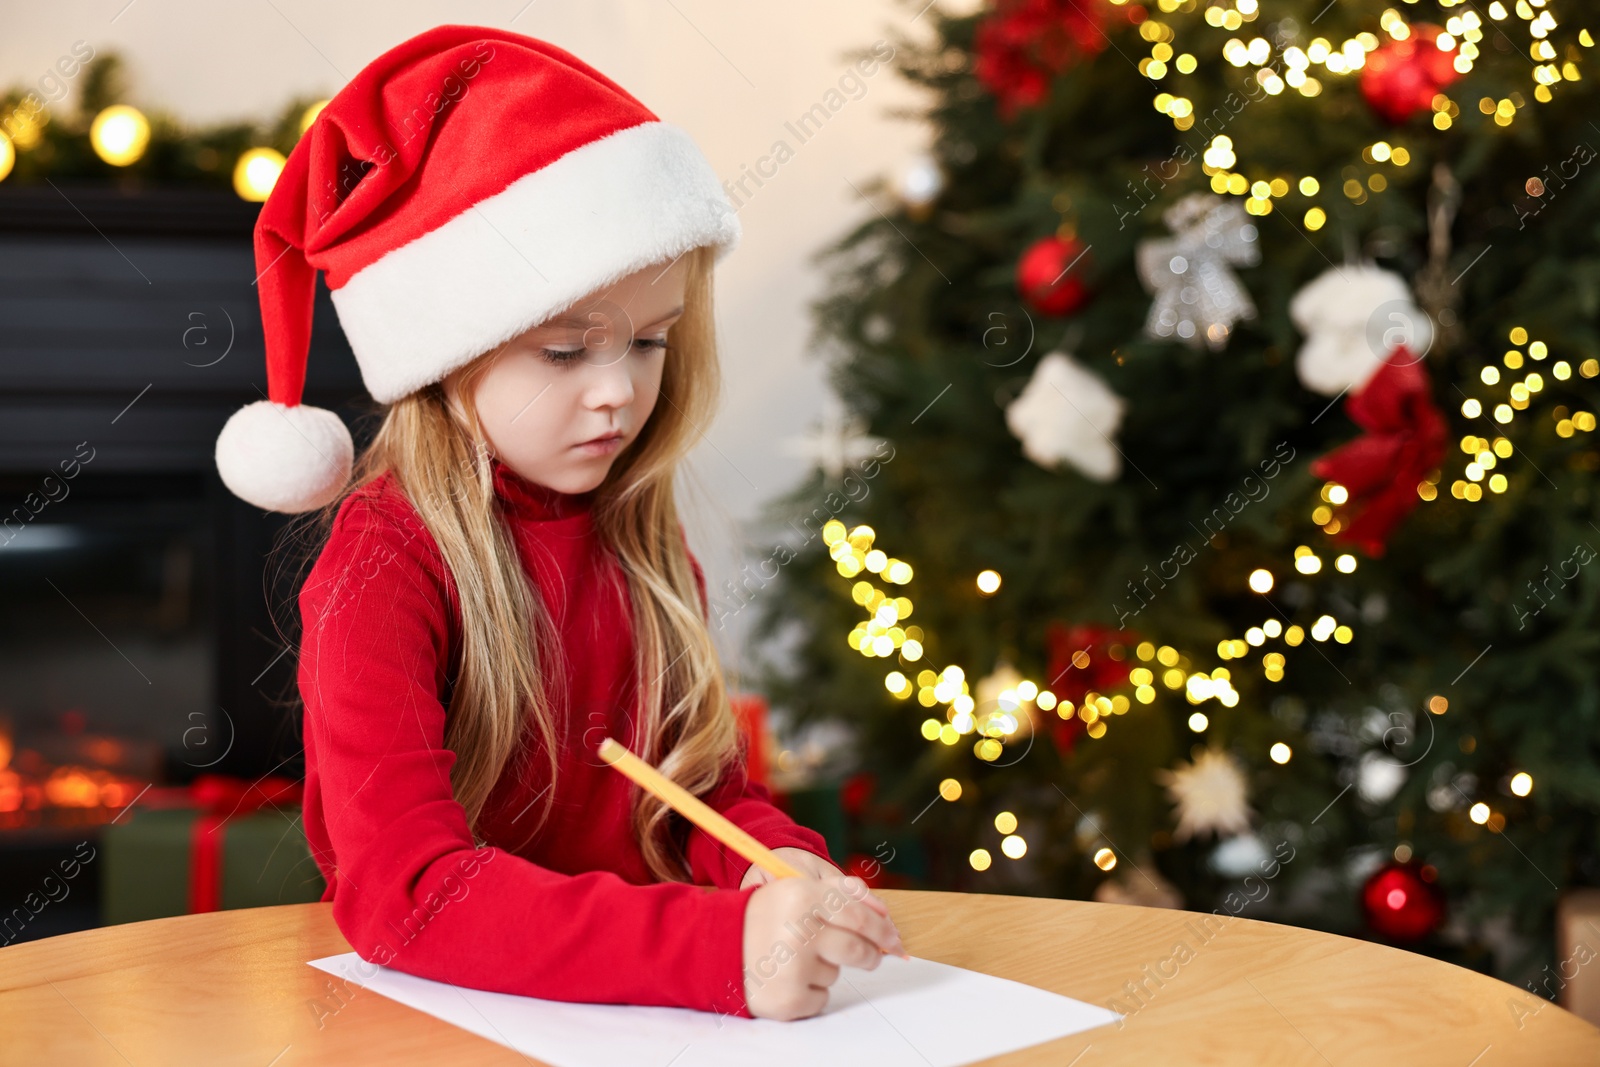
{"x": 466, "y": 185}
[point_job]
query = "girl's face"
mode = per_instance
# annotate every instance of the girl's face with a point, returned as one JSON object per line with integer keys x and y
{"x": 560, "y": 401}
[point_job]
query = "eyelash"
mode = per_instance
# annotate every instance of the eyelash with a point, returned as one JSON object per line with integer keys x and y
{"x": 564, "y": 359}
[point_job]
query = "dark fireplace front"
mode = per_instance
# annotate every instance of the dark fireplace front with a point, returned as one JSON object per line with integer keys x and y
{"x": 138, "y": 647}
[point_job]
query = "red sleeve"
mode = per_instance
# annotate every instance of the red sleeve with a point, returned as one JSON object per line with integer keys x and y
{"x": 413, "y": 890}
{"x": 747, "y": 805}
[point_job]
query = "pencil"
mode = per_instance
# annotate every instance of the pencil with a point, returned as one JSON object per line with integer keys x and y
{"x": 698, "y": 812}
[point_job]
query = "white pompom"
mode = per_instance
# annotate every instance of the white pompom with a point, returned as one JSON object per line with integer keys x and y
{"x": 1066, "y": 413}
{"x": 282, "y": 458}
{"x": 1353, "y": 317}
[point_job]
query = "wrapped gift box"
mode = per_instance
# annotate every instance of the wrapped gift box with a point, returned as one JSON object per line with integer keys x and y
{"x": 219, "y": 843}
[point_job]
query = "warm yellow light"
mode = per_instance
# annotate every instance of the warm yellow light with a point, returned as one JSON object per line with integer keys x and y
{"x": 1281, "y": 753}
{"x": 119, "y": 134}
{"x": 988, "y": 582}
{"x": 1005, "y": 822}
{"x": 1105, "y": 859}
{"x": 256, "y": 173}
{"x": 1198, "y": 722}
{"x": 1522, "y": 783}
{"x": 1479, "y": 813}
{"x": 1345, "y": 563}
{"x": 8, "y": 156}
{"x": 1438, "y": 705}
{"x": 980, "y": 859}
{"x": 1014, "y": 847}
{"x": 310, "y": 115}
{"x": 1261, "y": 581}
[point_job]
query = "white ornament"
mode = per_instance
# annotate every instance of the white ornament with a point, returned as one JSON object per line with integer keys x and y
{"x": 1242, "y": 854}
{"x": 1067, "y": 413}
{"x": 1210, "y": 795}
{"x": 1197, "y": 298}
{"x": 920, "y": 181}
{"x": 837, "y": 444}
{"x": 1353, "y": 317}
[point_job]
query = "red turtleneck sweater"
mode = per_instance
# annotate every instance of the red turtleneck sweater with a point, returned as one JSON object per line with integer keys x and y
{"x": 571, "y": 914}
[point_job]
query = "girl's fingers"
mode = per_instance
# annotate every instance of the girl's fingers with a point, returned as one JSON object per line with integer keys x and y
{"x": 875, "y": 927}
{"x": 838, "y": 947}
{"x": 857, "y": 890}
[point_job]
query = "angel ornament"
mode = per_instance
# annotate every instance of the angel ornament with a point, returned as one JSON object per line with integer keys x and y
{"x": 1197, "y": 297}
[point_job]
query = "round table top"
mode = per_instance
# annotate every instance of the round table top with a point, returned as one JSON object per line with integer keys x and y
{"x": 233, "y": 987}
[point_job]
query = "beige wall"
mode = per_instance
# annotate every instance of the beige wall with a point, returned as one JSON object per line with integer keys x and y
{"x": 732, "y": 72}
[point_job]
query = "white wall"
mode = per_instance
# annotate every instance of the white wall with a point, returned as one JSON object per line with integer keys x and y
{"x": 731, "y": 72}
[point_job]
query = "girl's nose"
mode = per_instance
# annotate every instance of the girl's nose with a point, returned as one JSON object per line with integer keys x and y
{"x": 611, "y": 380}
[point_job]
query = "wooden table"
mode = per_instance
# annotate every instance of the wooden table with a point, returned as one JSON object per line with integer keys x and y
{"x": 233, "y": 987}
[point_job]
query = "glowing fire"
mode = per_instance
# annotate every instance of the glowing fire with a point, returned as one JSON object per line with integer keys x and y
{"x": 32, "y": 786}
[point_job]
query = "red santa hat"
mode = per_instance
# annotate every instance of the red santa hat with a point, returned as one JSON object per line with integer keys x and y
{"x": 466, "y": 185}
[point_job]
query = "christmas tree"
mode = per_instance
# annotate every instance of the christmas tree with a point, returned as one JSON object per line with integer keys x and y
{"x": 1220, "y": 524}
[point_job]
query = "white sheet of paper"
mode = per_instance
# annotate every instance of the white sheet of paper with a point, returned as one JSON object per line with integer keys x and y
{"x": 914, "y": 1013}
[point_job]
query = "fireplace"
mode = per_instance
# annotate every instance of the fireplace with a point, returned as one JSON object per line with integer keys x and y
{"x": 138, "y": 648}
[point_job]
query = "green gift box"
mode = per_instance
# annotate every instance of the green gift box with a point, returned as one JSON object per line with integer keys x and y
{"x": 173, "y": 860}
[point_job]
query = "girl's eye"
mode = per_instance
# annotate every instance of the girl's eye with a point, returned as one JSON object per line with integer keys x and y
{"x": 562, "y": 357}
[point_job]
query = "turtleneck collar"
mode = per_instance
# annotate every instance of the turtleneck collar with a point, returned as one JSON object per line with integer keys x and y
{"x": 532, "y": 501}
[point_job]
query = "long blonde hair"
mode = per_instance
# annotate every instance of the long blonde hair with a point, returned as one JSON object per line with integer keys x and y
{"x": 508, "y": 645}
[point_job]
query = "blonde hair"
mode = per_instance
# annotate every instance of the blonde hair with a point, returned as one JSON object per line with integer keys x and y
{"x": 508, "y": 644}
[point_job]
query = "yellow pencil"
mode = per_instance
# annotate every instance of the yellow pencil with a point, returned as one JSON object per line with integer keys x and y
{"x": 698, "y": 812}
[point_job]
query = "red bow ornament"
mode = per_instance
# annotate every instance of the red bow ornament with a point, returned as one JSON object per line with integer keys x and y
{"x": 1405, "y": 439}
{"x": 1081, "y": 663}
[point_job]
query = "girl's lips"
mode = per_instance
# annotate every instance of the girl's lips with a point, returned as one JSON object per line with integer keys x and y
{"x": 601, "y": 445}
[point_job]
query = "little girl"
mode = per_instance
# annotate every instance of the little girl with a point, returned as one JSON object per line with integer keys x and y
{"x": 520, "y": 255}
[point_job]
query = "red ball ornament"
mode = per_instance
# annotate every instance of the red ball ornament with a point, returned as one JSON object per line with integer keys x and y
{"x": 856, "y": 792}
{"x": 1401, "y": 78}
{"x": 1023, "y": 44}
{"x": 1401, "y": 902}
{"x": 1050, "y": 275}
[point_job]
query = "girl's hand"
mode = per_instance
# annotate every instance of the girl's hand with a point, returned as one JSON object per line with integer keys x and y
{"x": 790, "y": 960}
{"x": 806, "y": 862}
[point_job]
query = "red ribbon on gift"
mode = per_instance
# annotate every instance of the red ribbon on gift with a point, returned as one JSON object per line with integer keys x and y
{"x": 1406, "y": 438}
{"x": 219, "y": 797}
